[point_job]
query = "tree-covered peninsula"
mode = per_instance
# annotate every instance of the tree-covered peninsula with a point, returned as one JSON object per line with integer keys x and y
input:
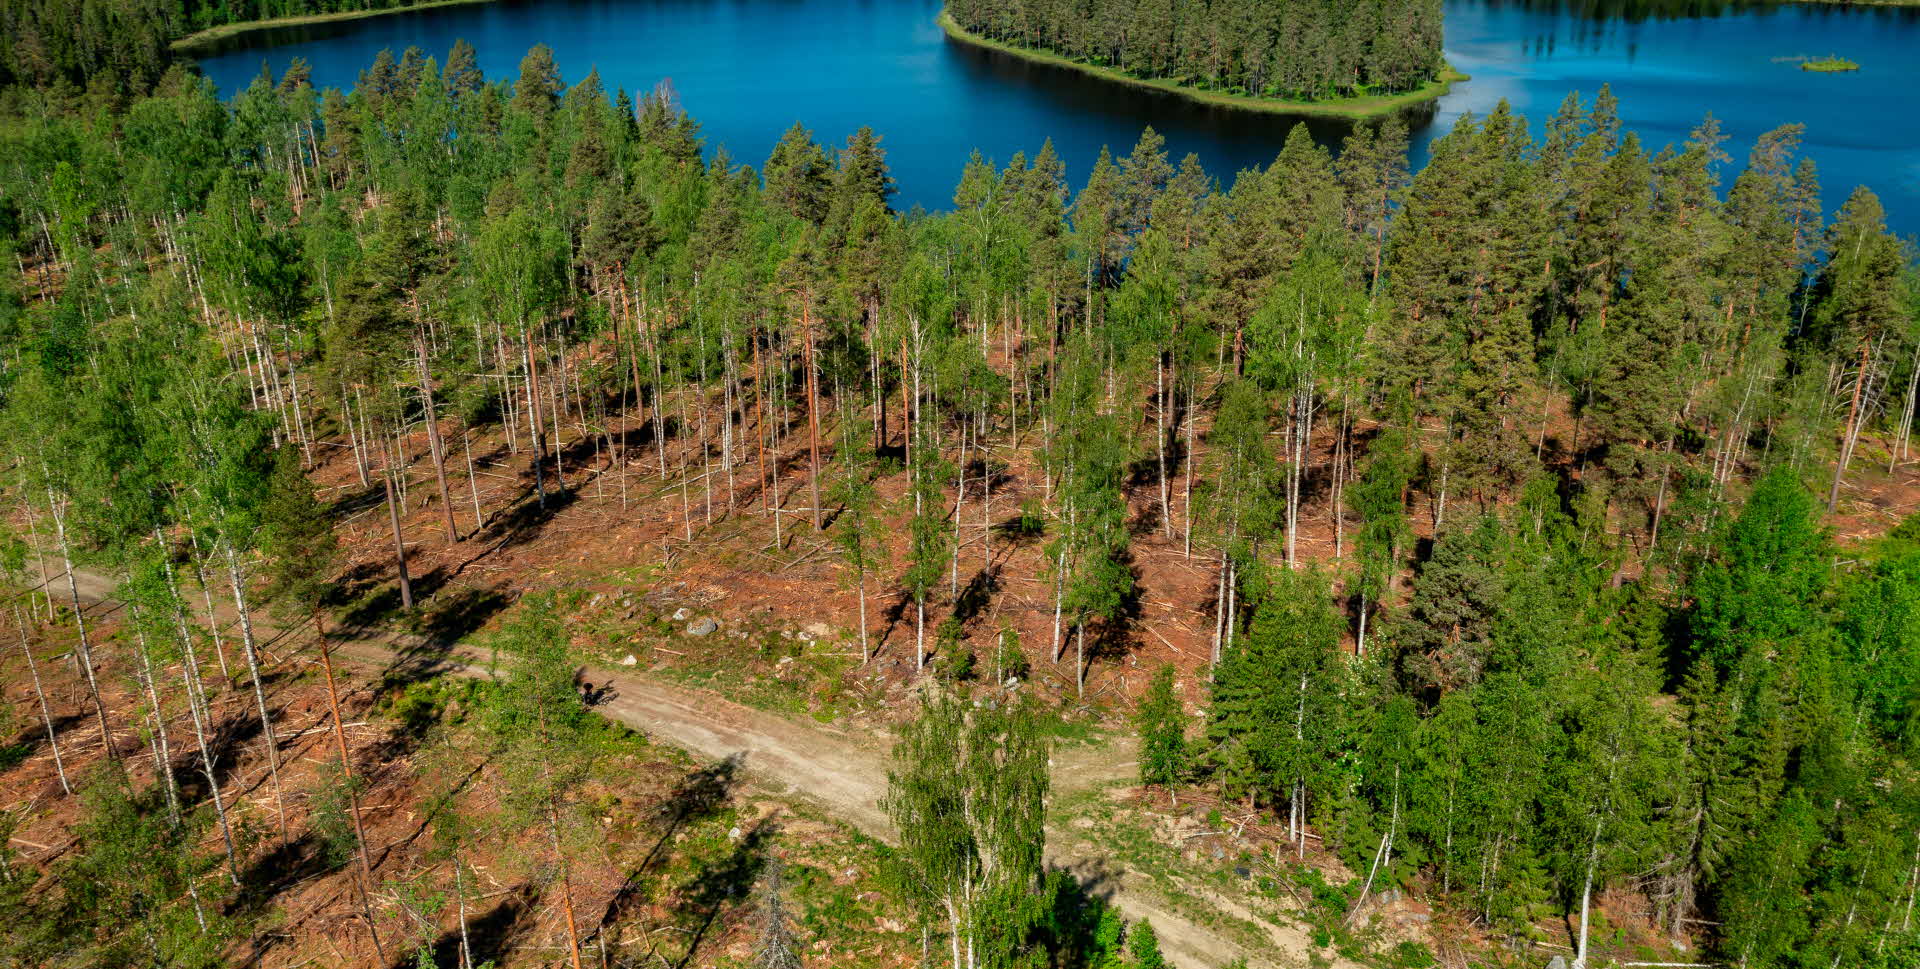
{"x": 1293, "y": 50}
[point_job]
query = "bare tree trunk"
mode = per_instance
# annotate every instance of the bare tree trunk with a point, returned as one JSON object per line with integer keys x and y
{"x": 1360, "y": 644}
{"x": 760, "y": 430}
{"x": 460, "y": 904}
{"x": 399, "y": 543}
{"x": 196, "y": 705}
{"x": 473, "y": 480}
{"x": 533, "y": 422}
{"x": 1586, "y": 896}
{"x": 253, "y": 671}
{"x": 1233, "y": 589}
{"x": 84, "y": 648}
{"x": 866, "y": 653}
{"x": 40, "y": 695}
{"x": 1906, "y": 414}
{"x": 813, "y": 406}
{"x": 1080, "y": 659}
{"x": 1161, "y": 399}
{"x": 1848, "y": 434}
{"x": 206, "y": 599}
{"x": 433, "y": 439}
{"x": 1386, "y": 851}
{"x": 353, "y": 797}
{"x": 353, "y": 439}
{"x": 162, "y": 750}
{"x": 1186, "y": 495}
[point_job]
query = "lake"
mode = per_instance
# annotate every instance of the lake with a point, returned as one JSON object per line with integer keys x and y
{"x": 748, "y": 69}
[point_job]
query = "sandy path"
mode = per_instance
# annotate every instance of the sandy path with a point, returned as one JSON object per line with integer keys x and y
{"x": 844, "y": 774}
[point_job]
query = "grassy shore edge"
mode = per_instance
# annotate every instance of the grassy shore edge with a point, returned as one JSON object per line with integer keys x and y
{"x": 200, "y": 39}
{"x": 1357, "y": 108}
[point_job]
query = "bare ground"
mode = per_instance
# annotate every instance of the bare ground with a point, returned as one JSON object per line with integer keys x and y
{"x": 842, "y": 772}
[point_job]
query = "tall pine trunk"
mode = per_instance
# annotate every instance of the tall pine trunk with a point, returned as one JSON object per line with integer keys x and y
{"x": 40, "y": 696}
{"x": 84, "y": 647}
{"x": 813, "y": 406}
{"x": 433, "y": 439}
{"x": 353, "y": 797}
{"x": 253, "y": 671}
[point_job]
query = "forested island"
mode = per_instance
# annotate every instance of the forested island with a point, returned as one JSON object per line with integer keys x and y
{"x": 1511, "y": 558}
{"x": 1293, "y": 51}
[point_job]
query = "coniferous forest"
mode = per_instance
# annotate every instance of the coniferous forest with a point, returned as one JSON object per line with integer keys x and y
{"x": 117, "y": 48}
{"x": 1532, "y": 536}
{"x": 1299, "y": 50}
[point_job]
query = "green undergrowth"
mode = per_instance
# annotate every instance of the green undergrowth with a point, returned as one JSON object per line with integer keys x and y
{"x": 694, "y": 866}
{"x": 1829, "y": 65}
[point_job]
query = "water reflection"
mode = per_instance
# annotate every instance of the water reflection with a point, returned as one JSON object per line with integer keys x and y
{"x": 747, "y": 69}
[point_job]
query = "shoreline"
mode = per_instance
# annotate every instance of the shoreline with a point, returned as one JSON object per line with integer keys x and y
{"x": 200, "y": 39}
{"x": 1358, "y": 108}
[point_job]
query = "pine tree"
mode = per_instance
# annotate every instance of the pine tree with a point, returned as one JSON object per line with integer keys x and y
{"x": 1143, "y": 947}
{"x": 1163, "y": 732}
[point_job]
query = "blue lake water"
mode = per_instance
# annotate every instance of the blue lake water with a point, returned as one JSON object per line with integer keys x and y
{"x": 748, "y": 69}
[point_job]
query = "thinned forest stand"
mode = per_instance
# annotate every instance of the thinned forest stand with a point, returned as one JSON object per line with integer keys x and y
{"x": 353, "y": 796}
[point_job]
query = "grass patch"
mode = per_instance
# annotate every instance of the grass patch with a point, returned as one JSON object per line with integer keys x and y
{"x": 1829, "y": 65}
{"x": 1366, "y": 106}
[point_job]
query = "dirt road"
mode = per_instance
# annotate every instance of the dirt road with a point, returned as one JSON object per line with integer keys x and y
{"x": 843, "y": 773}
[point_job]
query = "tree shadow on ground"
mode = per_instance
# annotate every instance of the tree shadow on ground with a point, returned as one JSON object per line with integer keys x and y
{"x": 976, "y": 594}
{"x": 382, "y": 605}
{"x": 287, "y": 864}
{"x": 1078, "y": 911}
{"x": 490, "y": 935}
{"x": 458, "y": 614}
{"x": 713, "y": 886}
{"x": 698, "y": 796}
{"x": 528, "y": 517}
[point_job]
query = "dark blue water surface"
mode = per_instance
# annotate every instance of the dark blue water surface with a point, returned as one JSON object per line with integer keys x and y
{"x": 747, "y": 69}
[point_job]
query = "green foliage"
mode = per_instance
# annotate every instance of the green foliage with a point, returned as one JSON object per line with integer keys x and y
{"x": 1143, "y": 947}
{"x": 1163, "y": 731}
{"x": 1294, "y": 50}
{"x": 329, "y": 814}
{"x": 967, "y": 792}
{"x": 1764, "y": 586}
{"x": 297, "y": 540}
{"x": 1275, "y": 694}
{"x": 1625, "y": 663}
{"x": 127, "y": 893}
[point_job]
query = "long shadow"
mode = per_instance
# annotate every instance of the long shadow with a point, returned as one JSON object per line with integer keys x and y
{"x": 977, "y": 593}
{"x": 384, "y": 605}
{"x": 490, "y": 935}
{"x": 460, "y": 614}
{"x": 354, "y": 584}
{"x": 524, "y": 522}
{"x": 712, "y": 887}
{"x": 583, "y": 452}
{"x": 1111, "y": 637}
{"x": 699, "y": 795}
{"x": 228, "y": 743}
{"x": 1078, "y": 904}
{"x": 357, "y": 502}
{"x": 1019, "y": 530}
{"x": 287, "y": 864}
